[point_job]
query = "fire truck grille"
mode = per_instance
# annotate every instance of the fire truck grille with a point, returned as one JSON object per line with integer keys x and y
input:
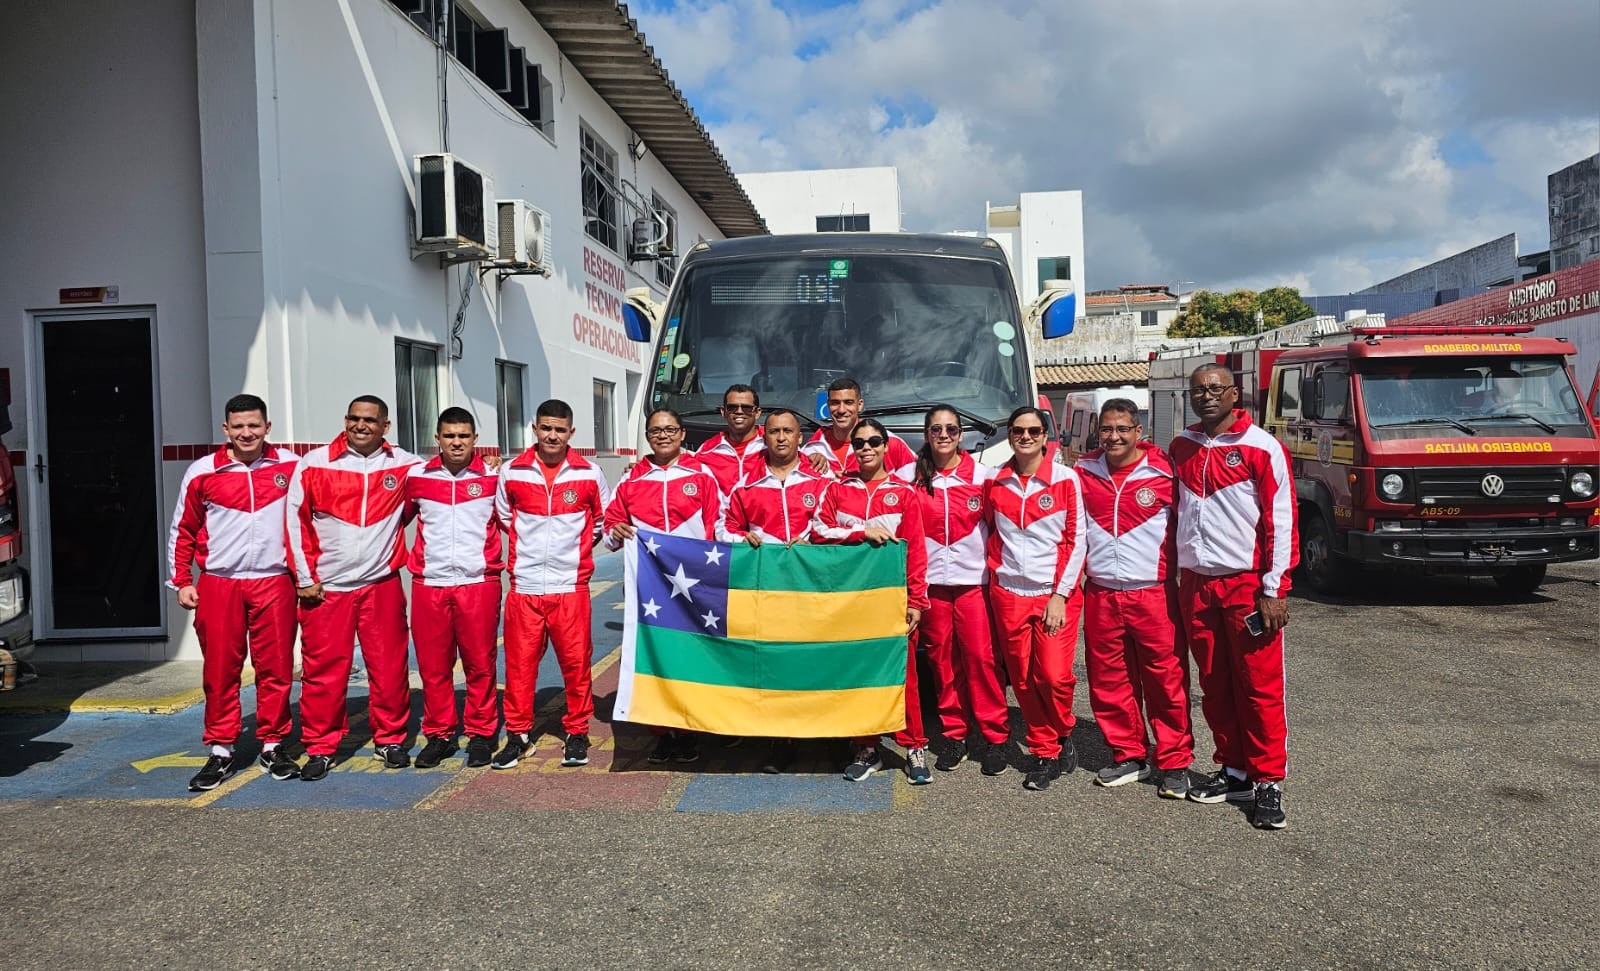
{"x": 1513, "y": 484}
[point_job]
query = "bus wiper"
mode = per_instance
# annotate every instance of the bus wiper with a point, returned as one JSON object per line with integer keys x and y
{"x": 1526, "y": 417}
{"x": 1430, "y": 421}
{"x": 982, "y": 424}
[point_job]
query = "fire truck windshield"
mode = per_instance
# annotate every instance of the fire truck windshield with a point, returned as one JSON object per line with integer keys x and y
{"x": 910, "y": 328}
{"x": 1457, "y": 397}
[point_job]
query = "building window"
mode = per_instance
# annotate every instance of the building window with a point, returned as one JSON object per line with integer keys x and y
{"x": 508, "y": 378}
{"x": 599, "y": 190}
{"x": 1147, "y": 318}
{"x": 416, "y": 393}
{"x": 667, "y": 263}
{"x": 858, "y": 222}
{"x": 604, "y": 393}
{"x": 1054, "y": 268}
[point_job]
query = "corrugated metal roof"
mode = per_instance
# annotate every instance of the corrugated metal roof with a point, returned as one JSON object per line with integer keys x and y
{"x": 1093, "y": 375}
{"x": 606, "y": 47}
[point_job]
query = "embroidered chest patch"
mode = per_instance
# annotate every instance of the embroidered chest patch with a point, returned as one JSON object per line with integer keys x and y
{"x": 1145, "y": 497}
{"x": 891, "y": 499}
{"x": 1234, "y": 457}
{"x": 809, "y": 501}
{"x": 1047, "y": 501}
{"x": 570, "y": 497}
{"x": 391, "y": 482}
{"x": 281, "y": 481}
{"x": 974, "y": 503}
{"x": 474, "y": 489}
{"x": 690, "y": 489}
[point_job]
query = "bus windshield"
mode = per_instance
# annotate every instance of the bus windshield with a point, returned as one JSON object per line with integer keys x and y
{"x": 910, "y": 328}
{"x": 1462, "y": 397}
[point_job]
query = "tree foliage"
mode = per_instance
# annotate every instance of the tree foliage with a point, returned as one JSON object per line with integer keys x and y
{"x": 1212, "y": 314}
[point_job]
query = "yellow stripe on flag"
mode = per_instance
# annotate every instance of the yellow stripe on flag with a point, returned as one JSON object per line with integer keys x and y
{"x": 852, "y": 615}
{"x": 780, "y": 714}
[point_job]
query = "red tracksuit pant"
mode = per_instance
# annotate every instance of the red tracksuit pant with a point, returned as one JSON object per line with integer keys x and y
{"x": 563, "y": 620}
{"x": 912, "y": 736}
{"x": 447, "y": 623}
{"x": 1241, "y": 675}
{"x": 1039, "y": 665}
{"x": 375, "y": 613}
{"x": 1137, "y": 669}
{"x": 232, "y": 616}
{"x": 958, "y": 640}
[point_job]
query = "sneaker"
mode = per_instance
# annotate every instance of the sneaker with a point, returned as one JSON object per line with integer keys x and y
{"x": 917, "y": 767}
{"x": 214, "y": 773}
{"x": 1133, "y": 770}
{"x": 1268, "y": 813}
{"x": 1068, "y": 760}
{"x": 316, "y": 768}
{"x": 512, "y": 752}
{"x": 662, "y": 753}
{"x": 278, "y": 764}
{"x": 866, "y": 762}
{"x": 994, "y": 759}
{"x": 576, "y": 752}
{"x": 393, "y": 756}
{"x": 436, "y": 751}
{"x": 1174, "y": 783}
{"x": 780, "y": 756}
{"x": 687, "y": 750}
{"x": 1219, "y": 786}
{"x": 480, "y": 751}
{"x": 952, "y": 756}
{"x": 1043, "y": 772}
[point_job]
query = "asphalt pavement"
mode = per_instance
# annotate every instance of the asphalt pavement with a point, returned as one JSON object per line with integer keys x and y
{"x": 1442, "y": 800}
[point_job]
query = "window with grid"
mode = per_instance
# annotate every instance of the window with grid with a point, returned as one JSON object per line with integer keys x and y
{"x": 1147, "y": 318}
{"x": 508, "y": 407}
{"x": 416, "y": 393}
{"x": 604, "y": 395}
{"x": 667, "y": 265}
{"x": 599, "y": 184}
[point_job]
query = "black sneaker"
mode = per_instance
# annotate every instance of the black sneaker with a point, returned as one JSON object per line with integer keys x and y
{"x": 1220, "y": 786}
{"x": 393, "y": 756}
{"x": 917, "y": 767}
{"x": 511, "y": 753}
{"x": 576, "y": 752}
{"x": 994, "y": 758}
{"x": 480, "y": 751}
{"x": 316, "y": 768}
{"x": 1133, "y": 770}
{"x": 436, "y": 751}
{"x": 952, "y": 756}
{"x": 214, "y": 773}
{"x": 687, "y": 751}
{"x": 1043, "y": 772}
{"x": 278, "y": 764}
{"x": 1174, "y": 783}
{"x": 1068, "y": 759}
{"x": 662, "y": 753}
{"x": 780, "y": 756}
{"x": 1268, "y": 813}
{"x": 866, "y": 762}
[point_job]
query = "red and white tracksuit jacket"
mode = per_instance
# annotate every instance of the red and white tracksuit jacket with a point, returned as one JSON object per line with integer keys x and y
{"x": 897, "y": 457}
{"x": 729, "y": 464}
{"x": 229, "y": 524}
{"x": 1036, "y": 549}
{"x": 345, "y": 515}
{"x": 1135, "y": 661}
{"x": 455, "y": 565}
{"x": 775, "y": 509}
{"x": 681, "y": 499}
{"x": 551, "y": 558}
{"x": 1237, "y": 540}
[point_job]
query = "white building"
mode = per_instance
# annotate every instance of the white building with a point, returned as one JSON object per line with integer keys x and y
{"x": 216, "y": 196}
{"x": 1043, "y": 238}
{"x": 827, "y": 200}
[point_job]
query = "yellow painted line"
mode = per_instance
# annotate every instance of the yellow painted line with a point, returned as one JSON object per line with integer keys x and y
{"x": 240, "y": 779}
{"x": 676, "y": 787}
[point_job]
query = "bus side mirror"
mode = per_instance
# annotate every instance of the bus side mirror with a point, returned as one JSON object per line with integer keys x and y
{"x": 1056, "y": 309}
{"x": 639, "y": 314}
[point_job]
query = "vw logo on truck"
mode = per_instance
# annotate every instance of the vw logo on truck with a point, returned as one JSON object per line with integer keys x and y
{"x": 1492, "y": 485}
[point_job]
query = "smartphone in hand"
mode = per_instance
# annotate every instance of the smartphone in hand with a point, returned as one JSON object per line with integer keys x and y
{"x": 1254, "y": 624}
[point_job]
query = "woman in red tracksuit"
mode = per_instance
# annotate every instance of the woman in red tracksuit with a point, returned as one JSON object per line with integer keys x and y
{"x": 870, "y": 506}
{"x": 670, "y": 493}
{"x": 955, "y": 632}
{"x": 1035, "y": 512}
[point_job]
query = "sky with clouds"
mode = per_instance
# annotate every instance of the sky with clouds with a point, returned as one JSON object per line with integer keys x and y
{"x": 1326, "y": 145}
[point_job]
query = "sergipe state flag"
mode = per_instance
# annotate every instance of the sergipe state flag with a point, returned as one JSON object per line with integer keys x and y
{"x": 804, "y": 641}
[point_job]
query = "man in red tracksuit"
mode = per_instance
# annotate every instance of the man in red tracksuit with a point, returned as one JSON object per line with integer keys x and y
{"x": 455, "y": 590}
{"x": 1236, "y": 547}
{"x": 551, "y": 501}
{"x": 828, "y": 449}
{"x": 731, "y": 453}
{"x": 229, "y": 525}
{"x": 345, "y": 509}
{"x": 1132, "y": 653}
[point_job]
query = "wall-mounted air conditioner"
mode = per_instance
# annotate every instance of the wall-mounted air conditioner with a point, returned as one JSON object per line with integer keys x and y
{"x": 524, "y": 235}
{"x": 454, "y": 203}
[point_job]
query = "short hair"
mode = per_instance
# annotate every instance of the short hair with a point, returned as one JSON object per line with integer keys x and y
{"x": 241, "y": 403}
{"x": 1211, "y": 366}
{"x": 780, "y": 412}
{"x": 455, "y": 416}
{"x": 370, "y": 399}
{"x": 1125, "y": 405}
{"x": 553, "y": 408}
{"x": 742, "y": 389}
{"x": 662, "y": 410}
{"x": 844, "y": 384}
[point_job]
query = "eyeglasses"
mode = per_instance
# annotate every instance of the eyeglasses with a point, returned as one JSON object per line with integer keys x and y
{"x": 741, "y": 408}
{"x": 662, "y": 431}
{"x": 875, "y": 441}
{"x": 954, "y": 431}
{"x": 1031, "y": 431}
{"x": 1209, "y": 391}
{"x": 1116, "y": 429}
{"x": 362, "y": 420}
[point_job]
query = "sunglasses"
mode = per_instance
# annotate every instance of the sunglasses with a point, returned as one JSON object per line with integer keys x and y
{"x": 875, "y": 441}
{"x": 1034, "y": 431}
{"x": 742, "y": 408}
{"x": 953, "y": 431}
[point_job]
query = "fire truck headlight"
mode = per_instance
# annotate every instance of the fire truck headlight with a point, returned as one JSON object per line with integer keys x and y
{"x": 1392, "y": 486}
{"x": 1582, "y": 484}
{"x": 10, "y": 598}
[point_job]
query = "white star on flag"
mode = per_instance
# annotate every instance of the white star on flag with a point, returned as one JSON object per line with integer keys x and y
{"x": 713, "y": 555}
{"x": 681, "y": 584}
{"x": 711, "y": 619}
{"x": 651, "y": 545}
{"x": 651, "y": 608}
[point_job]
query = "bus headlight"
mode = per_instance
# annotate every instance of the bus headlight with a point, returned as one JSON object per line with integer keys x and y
{"x": 1392, "y": 486}
{"x": 1582, "y": 484}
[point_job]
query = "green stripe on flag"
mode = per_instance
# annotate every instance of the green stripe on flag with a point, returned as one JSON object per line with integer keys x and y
{"x": 817, "y": 568}
{"x": 676, "y": 656}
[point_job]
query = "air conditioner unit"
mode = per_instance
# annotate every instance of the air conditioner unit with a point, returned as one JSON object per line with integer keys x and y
{"x": 454, "y": 200}
{"x": 524, "y": 234}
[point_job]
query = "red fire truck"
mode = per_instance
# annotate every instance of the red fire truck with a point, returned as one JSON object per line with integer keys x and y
{"x": 1440, "y": 448}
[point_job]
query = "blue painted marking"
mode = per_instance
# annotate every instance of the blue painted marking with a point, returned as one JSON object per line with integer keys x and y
{"x": 351, "y": 785}
{"x": 786, "y": 794}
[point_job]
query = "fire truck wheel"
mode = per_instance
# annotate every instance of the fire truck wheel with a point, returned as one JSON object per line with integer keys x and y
{"x": 1521, "y": 581}
{"x": 1323, "y": 570}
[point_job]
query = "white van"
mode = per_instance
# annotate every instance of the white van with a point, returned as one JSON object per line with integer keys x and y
{"x": 1080, "y": 418}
